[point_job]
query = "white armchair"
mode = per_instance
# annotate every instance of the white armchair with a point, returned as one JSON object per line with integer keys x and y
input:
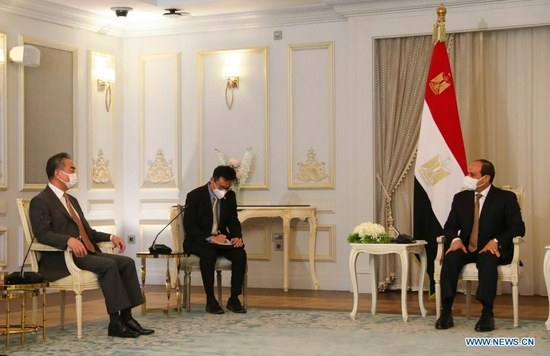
{"x": 78, "y": 280}
{"x": 506, "y": 273}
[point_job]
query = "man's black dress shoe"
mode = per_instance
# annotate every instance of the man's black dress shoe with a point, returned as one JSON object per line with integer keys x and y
{"x": 137, "y": 328}
{"x": 234, "y": 304}
{"x": 445, "y": 321}
{"x": 485, "y": 323}
{"x": 119, "y": 329}
{"x": 213, "y": 307}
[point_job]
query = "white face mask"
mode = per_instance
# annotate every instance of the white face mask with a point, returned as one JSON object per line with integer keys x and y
{"x": 73, "y": 179}
{"x": 471, "y": 183}
{"x": 220, "y": 193}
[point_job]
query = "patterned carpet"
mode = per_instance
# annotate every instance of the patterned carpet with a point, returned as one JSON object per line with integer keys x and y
{"x": 284, "y": 332}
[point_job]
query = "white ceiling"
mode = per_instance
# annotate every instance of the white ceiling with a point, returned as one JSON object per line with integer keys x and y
{"x": 146, "y": 18}
{"x": 153, "y": 9}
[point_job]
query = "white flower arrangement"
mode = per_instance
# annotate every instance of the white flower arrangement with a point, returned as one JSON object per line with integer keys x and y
{"x": 369, "y": 233}
{"x": 241, "y": 168}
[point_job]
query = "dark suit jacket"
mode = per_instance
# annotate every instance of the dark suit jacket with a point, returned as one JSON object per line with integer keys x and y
{"x": 198, "y": 218}
{"x": 500, "y": 219}
{"x": 52, "y": 225}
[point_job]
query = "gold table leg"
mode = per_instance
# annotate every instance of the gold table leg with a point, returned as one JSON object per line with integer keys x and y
{"x": 143, "y": 273}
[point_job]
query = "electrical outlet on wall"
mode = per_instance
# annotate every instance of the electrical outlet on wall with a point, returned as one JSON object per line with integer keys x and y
{"x": 131, "y": 239}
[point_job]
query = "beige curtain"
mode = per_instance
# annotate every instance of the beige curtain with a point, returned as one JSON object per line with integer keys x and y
{"x": 401, "y": 66}
{"x": 502, "y": 81}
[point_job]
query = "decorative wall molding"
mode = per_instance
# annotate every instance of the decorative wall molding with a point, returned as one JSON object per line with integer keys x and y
{"x": 101, "y": 130}
{"x": 328, "y": 230}
{"x": 253, "y": 247}
{"x": 247, "y": 121}
{"x": 311, "y": 63}
{"x": 101, "y": 173}
{"x": 157, "y": 206}
{"x": 159, "y": 71}
{"x": 101, "y": 208}
{"x": 159, "y": 171}
{"x": 311, "y": 169}
{"x": 54, "y": 108}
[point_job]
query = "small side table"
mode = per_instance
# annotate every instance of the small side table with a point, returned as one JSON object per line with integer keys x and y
{"x": 23, "y": 291}
{"x": 403, "y": 250}
{"x": 547, "y": 280}
{"x": 168, "y": 257}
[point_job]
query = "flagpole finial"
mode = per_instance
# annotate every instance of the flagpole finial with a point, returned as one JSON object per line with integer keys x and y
{"x": 439, "y": 26}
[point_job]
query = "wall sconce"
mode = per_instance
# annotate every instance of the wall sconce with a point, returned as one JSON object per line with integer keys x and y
{"x": 106, "y": 76}
{"x": 230, "y": 73}
{"x": 2, "y": 58}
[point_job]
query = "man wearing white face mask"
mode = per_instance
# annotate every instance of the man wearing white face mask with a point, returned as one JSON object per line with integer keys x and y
{"x": 57, "y": 220}
{"x": 480, "y": 228}
{"x": 212, "y": 229}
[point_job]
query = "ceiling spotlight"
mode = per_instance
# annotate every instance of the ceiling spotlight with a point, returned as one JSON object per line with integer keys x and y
{"x": 121, "y": 11}
{"x": 176, "y": 13}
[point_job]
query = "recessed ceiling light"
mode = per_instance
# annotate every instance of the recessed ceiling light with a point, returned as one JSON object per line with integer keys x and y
{"x": 176, "y": 13}
{"x": 121, "y": 11}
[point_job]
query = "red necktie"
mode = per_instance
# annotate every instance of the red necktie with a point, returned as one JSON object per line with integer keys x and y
{"x": 85, "y": 239}
{"x": 472, "y": 246}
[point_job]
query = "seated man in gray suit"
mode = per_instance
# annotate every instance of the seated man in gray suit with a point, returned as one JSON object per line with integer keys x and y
{"x": 57, "y": 220}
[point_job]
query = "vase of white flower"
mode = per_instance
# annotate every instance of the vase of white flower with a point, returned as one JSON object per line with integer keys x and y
{"x": 369, "y": 233}
{"x": 241, "y": 168}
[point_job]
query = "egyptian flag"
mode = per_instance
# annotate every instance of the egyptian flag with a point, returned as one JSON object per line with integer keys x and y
{"x": 441, "y": 160}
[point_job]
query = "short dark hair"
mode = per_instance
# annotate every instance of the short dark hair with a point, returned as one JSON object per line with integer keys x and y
{"x": 225, "y": 172}
{"x": 487, "y": 169}
{"x": 56, "y": 162}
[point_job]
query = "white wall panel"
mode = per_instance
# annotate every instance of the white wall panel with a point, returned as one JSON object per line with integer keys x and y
{"x": 159, "y": 121}
{"x": 246, "y": 124}
{"x": 101, "y": 126}
{"x": 311, "y": 116}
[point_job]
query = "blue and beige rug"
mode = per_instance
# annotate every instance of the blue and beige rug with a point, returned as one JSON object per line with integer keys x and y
{"x": 285, "y": 332}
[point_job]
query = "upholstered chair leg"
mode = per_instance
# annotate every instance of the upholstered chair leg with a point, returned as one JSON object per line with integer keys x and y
{"x": 187, "y": 289}
{"x": 78, "y": 300}
{"x": 515, "y": 298}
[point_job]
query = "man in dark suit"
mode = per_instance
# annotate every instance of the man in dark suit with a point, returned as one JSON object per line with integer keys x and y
{"x": 209, "y": 235}
{"x": 487, "y": 240}
{"x": 57, "y": 220}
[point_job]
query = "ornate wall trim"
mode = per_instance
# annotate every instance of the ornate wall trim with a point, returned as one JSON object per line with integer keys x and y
{"x": 311, "y": 161}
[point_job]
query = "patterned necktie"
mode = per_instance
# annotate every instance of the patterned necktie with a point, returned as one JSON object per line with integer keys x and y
{"x": 83, "y": 235}
{"x": 214, "y": 231}
{"x": 472, "y": 246}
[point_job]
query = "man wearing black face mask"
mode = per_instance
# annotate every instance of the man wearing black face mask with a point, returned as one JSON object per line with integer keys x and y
{"x": 57, "y": 220}
{"x": 212, "y": 229}
{"x": 480, "y": 228}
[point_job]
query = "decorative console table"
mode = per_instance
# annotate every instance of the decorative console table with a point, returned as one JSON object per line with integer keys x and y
{"x": 287, "y": 213}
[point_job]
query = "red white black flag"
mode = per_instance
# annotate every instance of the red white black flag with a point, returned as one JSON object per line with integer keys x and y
{"x": 441, "y": 159}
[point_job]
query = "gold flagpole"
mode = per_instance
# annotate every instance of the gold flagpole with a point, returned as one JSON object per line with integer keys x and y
{"x": 439, "y": 26}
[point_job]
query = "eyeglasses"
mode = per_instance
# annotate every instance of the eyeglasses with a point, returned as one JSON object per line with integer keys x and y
{"x": 221, "y": 187}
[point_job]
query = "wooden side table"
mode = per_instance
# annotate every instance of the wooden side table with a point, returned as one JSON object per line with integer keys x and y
{"x": 168, "y": 257}
{"x": 23, "y": 291}
{"x": 403, "y": 250}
